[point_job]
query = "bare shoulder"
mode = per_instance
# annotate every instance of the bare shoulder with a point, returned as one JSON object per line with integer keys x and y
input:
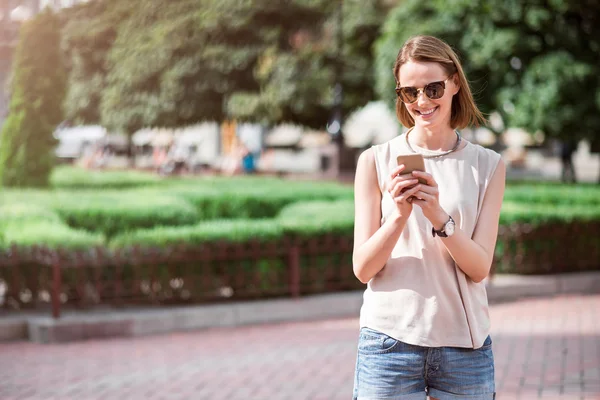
{"x": 366, "y": 159}
{"x": 365, "y": 166}
{"x": 366, "y": 171}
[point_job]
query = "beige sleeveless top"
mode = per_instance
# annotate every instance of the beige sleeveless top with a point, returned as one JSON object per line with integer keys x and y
{"x": 421, "y": 297}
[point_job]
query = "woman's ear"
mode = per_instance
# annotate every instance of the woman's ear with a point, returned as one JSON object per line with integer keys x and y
{"x": 456, "y": 81}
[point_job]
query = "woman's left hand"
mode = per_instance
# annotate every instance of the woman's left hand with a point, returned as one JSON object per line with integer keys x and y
{"x": 427, "y": 197}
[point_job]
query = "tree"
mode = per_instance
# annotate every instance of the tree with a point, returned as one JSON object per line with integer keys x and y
{"x": 533, "y": 62}
{"x": 37, "y": 92}
{"x": 89, "y": 32}
{"x": 175, "y": 63}
{"x": 146, "y": 63}
{"x": 297, "y": 79}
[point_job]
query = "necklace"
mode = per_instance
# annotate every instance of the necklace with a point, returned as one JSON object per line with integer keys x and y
{"x": 458, "y": 140}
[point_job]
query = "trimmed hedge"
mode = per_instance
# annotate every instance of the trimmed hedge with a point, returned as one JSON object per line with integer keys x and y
{"x": 112, "y": 214}
{"x": 555, "y": 194}
{"x": 211, "y": 231}
{"x": 537, "y": 214}
{"x": 160, "y": 212}
{"x": 253, "y": 197}
{"x": 51, "y": 234}
{"x": 27, "y": 225}
{"x": 300, "y": 219}
{"x": 318, "y": 218}
{"x": 67, "y": 177}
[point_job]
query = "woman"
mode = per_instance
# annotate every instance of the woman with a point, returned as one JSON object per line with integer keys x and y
{"x": 424, "y": 249}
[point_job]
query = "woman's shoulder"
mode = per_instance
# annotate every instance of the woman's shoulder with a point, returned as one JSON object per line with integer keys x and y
{"x": 482, "y": 152}
{"x": 483, "y": 159}
{"x": 392, "y": 145}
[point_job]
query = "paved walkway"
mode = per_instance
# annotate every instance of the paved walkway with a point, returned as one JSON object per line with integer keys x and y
{"x": 544, "y": 348}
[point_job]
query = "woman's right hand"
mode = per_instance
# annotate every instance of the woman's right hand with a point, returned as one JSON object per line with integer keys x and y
{"x": 401, "y": 188}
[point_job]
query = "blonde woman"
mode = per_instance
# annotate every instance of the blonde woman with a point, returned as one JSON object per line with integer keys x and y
{"x": 424, "y": 249}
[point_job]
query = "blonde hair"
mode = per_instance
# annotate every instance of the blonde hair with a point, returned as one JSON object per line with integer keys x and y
{"x": 431, "y": 49}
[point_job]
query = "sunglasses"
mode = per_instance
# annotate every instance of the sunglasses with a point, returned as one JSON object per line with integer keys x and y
{"x": 433, "y": 90}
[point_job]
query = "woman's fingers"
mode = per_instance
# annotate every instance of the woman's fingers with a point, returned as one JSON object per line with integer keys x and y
{"x": 422, "y": 195}
{"x": 398, "y": 178}
{"x": 432, "y": 190}
{"x": 406, "y": 195}
{"x": 396, "y": 171}
{"x": 401, "y": 185}
{"x": 426, "y": 176}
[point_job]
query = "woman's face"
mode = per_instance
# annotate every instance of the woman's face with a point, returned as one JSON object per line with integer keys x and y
{"x": 428, "y": 113}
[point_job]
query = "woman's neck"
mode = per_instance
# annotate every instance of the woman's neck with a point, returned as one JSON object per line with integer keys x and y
{"x": 434, "y": 140}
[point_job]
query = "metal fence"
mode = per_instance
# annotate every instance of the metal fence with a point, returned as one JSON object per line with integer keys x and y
{"x": 41, "y": 279}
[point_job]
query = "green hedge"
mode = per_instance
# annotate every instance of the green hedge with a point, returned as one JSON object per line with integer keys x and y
{"x": 68, "y": 177}
{"x": 110, "y": 214}
{"x": 51, "y": 234}
{"x": 318, "y": 218}
{"x": 299, "y": 219}
{"x": 252, "y": 197}
{"x": 26, "y": 225}
{"x": 239, "y": 230}
{"x": 556, "y": 194}
{"x": 159, "y": 212}
{"x": 537, "y": 214}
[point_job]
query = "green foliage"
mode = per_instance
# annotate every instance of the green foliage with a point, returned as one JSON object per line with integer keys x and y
{"x": 110, "y": 213}
{"x": 161, "y": 72}
{"x": 89, "y": 32}
{"x": 253, "y": 198}
{"x": 533, "y": 62}
{"x": 37, "y": 92}
{"x": 27, "y": 225}
{"x": 297, "y": 79}
{"x": 67, "y": 177}
{"x": 235, "y": 231}
{"x": 552, "y": 194}
{"x": 196, "y": 210}
{"x": 313, "y": 218}
{"x": 49, "y": 234}
{"x": 146, "y": 63}
{"x": 537, "y": 214}
{"x": 19, "y": 213}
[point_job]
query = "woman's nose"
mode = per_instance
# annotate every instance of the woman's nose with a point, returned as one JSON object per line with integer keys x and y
{"x": 422, "y": 98}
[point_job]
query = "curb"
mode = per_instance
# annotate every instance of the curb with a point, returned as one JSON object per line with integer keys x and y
{"x": 83, "y": 325}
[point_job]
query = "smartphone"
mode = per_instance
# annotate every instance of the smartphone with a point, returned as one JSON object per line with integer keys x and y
{"x": 412, "y": 162}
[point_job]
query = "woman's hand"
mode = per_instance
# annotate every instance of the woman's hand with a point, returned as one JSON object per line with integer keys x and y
{"x": 427, "y": 197}
{"x": 401, "y": 188}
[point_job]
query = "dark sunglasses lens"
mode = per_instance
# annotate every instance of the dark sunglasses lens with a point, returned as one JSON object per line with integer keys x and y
{"x": 408, "y": 94}
{"x": 434, "y": 90}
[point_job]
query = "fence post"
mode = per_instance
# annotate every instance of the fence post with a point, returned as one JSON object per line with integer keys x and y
{"x": 294, "y": 266}
{"x": 13, "y": 287}
{"x": 56, "y": 283}
{"x": 103, "y": 260}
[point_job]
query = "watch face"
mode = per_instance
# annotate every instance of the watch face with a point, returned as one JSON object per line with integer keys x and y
{"x": 449, "y": 230}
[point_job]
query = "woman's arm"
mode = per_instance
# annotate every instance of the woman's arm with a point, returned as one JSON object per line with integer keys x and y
{"x": 474, "y": 256}
{"x": 373, "y": 242}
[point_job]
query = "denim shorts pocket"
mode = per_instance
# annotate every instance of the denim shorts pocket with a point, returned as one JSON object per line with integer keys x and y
{"x": 374, "y": 342}
{"x": 487, "y": 344}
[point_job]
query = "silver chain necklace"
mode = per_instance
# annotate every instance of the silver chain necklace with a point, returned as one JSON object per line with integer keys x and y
{"x": 458, "y": 140}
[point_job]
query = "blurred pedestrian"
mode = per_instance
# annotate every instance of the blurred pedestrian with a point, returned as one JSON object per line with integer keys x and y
{"x": 424, "y": 249}
{"x": 567, "y": 148}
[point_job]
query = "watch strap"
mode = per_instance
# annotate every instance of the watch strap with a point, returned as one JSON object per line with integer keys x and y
{"x": 441, "y": 232}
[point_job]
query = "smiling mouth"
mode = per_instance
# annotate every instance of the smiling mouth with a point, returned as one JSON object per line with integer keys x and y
{"x": 426, "y": 113}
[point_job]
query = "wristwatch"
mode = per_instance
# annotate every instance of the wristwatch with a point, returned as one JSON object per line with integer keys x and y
{"x": 446, "y": 231}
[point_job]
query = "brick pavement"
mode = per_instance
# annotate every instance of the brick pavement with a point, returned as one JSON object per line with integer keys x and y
{"x": 544, "y": 348}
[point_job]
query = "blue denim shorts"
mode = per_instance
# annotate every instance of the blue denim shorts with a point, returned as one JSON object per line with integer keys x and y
{"x": 389, "y": 369}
